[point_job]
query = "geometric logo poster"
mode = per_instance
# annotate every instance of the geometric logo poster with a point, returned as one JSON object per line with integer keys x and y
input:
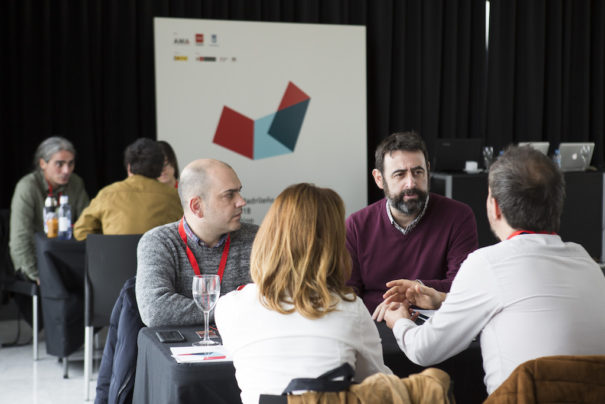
{"x": 240, "y": 92}
{"x": 271, "y": 135}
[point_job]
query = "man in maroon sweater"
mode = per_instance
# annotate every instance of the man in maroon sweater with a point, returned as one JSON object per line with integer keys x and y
{"x": 410, "y": 234}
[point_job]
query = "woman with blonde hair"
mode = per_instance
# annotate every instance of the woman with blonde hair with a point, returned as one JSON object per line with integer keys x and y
{"x": 298, "y": 318}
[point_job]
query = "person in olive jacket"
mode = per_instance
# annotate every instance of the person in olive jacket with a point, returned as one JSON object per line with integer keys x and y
{"x": 136, "y": 204}
{"x": 53, "y": 173}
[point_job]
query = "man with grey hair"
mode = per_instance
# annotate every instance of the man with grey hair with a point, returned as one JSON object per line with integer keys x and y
{"x": 209, "y": 239}
{"x": 53, "y": 174}
{"x": 531, "y": 295}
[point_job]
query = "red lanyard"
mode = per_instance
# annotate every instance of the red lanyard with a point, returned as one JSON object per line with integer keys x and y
{"x": 50, "y": 190}
{"x": 191, "y": 257}
{"x": 519, "y": 232}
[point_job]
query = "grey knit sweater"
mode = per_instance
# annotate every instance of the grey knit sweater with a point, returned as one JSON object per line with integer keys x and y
{"x": 164, "y": 274}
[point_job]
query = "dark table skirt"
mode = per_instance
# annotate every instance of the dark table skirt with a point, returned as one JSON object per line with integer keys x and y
{"x": 160, "y": 379}
{"x": 61, "y": 265}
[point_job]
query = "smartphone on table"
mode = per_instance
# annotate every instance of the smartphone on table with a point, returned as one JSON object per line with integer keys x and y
{"x": 170, "y": 336}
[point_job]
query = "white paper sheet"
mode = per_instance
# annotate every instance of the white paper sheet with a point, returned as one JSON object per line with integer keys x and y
{"x": 190, "y": 354}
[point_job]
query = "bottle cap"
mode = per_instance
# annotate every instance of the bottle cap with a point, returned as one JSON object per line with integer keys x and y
{"x": 49, "y": 202}
{"x": 63, "y": 199}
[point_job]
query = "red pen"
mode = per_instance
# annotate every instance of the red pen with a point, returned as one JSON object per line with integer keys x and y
{"x": 204, "y": 354}
{"x": 214, "y": 357}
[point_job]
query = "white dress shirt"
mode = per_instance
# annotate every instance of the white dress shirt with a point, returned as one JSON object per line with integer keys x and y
{"x": 530, "y": 296}
{"x": 269, "y": 348}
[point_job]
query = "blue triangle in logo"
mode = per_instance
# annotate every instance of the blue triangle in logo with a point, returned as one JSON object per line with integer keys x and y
{"x": 264, "y": 144}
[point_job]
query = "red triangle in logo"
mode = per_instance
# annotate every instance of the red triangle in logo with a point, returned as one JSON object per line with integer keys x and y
{"x": 292, "y": 96}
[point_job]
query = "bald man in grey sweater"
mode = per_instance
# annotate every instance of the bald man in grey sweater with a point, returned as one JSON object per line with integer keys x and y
{"x": 210, "y": 195}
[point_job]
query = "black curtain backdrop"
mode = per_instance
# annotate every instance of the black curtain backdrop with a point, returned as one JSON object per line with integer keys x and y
{"x": 84, "y": 70}
{"x": 546, "y": 73}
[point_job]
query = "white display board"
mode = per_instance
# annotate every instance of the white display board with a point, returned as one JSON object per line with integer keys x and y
{"x": 281, "y": 103}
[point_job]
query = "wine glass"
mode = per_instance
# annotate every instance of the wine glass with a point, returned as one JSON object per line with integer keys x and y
{"x": 584, "y": 153}
{"x": 206, "y": 290}
{"x": 488, "y": 156}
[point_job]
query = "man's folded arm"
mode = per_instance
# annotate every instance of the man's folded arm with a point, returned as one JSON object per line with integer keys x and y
{"x": 458, "y": 321}
{"x": 159, "y": 302}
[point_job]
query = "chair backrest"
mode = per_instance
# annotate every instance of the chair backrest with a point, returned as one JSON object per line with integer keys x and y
{"x": 8, "y": 280}
{"x": 110, "y": 261}
{"x": 432, "y": 385}
{"x": 332, "y": 381}
{"x": 554, "y": 379}
{"x": 6, "y": 265}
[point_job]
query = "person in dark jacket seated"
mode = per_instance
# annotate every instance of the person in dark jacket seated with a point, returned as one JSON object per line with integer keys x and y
{"x": 116, "y": 376}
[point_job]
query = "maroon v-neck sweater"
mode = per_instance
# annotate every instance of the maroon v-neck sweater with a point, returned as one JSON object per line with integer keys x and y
{"x": 432, "y": 252}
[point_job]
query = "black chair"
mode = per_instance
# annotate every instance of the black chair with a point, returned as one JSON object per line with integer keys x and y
{"x": 328, "y": 387}
{"x": 110, "y": 261}
{"x": 335, "y": 380}
{"x": 10, "y": 283}
{"x": 61, "y": 267}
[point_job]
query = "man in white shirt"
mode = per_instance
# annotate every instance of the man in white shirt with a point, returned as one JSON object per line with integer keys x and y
{"x": 531, "y": 295}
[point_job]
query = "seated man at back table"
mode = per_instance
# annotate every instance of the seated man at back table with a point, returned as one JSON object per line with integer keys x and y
{"x": 136, "y": 204}
{"x": 411, "y": 233}
{"x": 531, "y": 295}
{"x": 210, "y": 232}
{"x": 54, "y": 175}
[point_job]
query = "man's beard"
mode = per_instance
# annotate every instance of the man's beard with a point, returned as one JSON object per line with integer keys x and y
{"x": 411, "y": 207}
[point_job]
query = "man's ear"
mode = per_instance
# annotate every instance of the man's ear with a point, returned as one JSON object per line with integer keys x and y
{"x": 128, "y": 172}
{"x": 377, "y": 177}
{"x": 196, "y": 206}
{"x": 497, "y": 210}
{"x": 42, "y": 164}
{"x": 493, "y": 207}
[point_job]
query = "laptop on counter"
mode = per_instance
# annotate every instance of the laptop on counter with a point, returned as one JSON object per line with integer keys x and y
{"x": 575, "y": 156}
{"x": 540, "y": 146}
{"x": 450, "y": 155}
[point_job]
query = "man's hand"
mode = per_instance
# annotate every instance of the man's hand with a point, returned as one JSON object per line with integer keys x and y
{"x": 378, "y": 314}
{"x": 396, "y": 294}
{"x": 384, "y": 307}
{"x": 395, "y": 311}
{"x": 424, "y": 297}
{"x": 397, "y": 290}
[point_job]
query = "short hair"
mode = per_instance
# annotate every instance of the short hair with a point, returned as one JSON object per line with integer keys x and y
{"x": 49, "y": 147}
{"x": 529, "y": 188}
{"x": 299, "y": 256}
{"x": 195, "y": 180}
{"x": 406, "y": 141}
{"x": 170, "y": 156}
{"x": 144, "y": 157}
